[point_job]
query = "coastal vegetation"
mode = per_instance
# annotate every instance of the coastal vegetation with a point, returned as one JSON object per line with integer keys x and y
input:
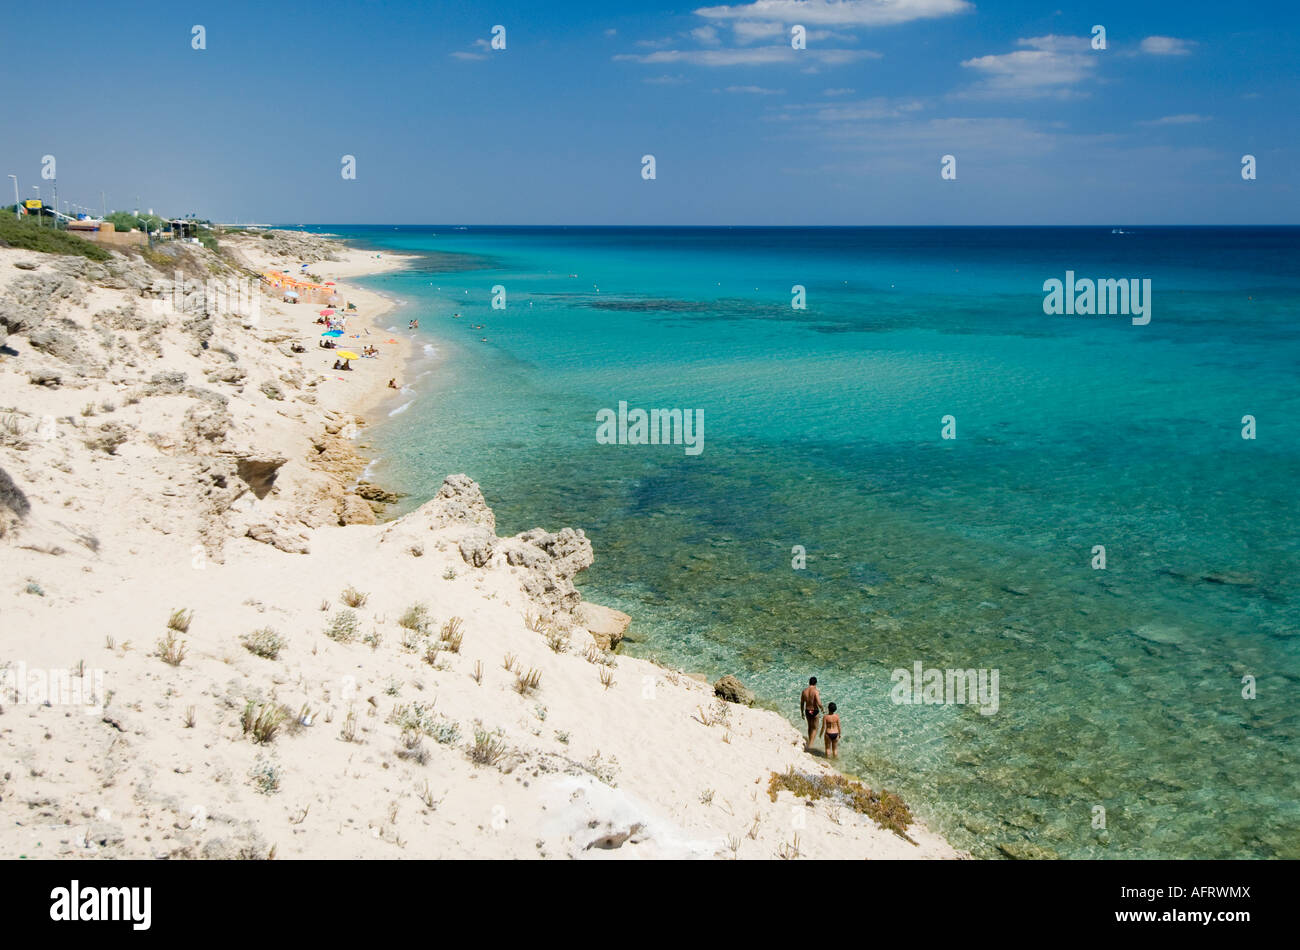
{"x": 261, "y": 723}
{"x": 30, "y": 234}
{"x": 264, "y": 643}
{"x": 884, "y": 808}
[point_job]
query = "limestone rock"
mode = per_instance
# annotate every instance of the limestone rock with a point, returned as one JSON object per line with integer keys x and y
{"x": 551, "y": 561}
{"x": 733, "y": 691}
{"x": 605, "y": 624}
{"x": 374, "y": 493}
{"x": 477, "y": 547}
{"x": 226, "y": 374}
{"x": 266, "y": 534}
{"x": 34, "y": 298}
{"x": 63, "y": 342}
{"x": 205, "y": 426}
{"x": 354, "y": 510}
{"x": 459, "y": 500}
{"x": 166, "y": 383}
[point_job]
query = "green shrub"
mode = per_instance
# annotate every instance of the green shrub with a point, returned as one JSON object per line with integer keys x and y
{"x": 31, "y": 234}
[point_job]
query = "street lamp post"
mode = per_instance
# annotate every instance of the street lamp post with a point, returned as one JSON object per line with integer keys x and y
{"x": 17, "y": 213}
{"x": 37, "y": 189}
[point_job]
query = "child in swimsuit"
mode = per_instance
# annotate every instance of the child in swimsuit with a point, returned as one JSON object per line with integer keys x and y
{"x": 831, "y": 732}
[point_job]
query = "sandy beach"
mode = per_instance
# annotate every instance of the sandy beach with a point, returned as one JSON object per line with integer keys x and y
{"x": 217, "y": 645}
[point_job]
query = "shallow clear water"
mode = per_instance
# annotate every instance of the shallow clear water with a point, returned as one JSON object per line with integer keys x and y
{"x": 1119, "y": 687}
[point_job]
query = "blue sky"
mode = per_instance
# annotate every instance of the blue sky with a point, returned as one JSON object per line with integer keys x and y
{"x": 744, "y": 129}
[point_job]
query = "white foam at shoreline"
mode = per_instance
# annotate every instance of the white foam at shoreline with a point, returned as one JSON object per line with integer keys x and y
{"x": 402, "y": 408}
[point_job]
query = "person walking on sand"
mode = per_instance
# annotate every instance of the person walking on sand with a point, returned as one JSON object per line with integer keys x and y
{"x": 810, "y": 707}
{"x": 831, "y": 731}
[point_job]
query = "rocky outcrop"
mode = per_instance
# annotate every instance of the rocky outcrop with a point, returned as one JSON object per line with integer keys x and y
{"x": 459, "y": 501}
{"x": 478, "y": 546}
{"x": 551, "y": 562}
{"x": 34, "y": 298}
{"x": 290, "y": 543}
{"x": 61, "y": 339}
{"x": 297, "y": 248}
{"x": 547, "y": 561}
{"x": 733, "y": 691}
{"x": 376, "y": 494}
{"x": 354, "y": 510}
{"x": 605, "y": 624}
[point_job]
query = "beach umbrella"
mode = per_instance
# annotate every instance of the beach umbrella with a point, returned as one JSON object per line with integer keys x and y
{"x": 327, "y": 313}
{"x": 291, "y": 293}
{"x": 348, "y": 355}
{"x": 334, "y": 333}
{"x": 329, "y": 283}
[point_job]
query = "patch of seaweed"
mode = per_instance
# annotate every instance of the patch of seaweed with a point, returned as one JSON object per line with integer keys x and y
{"x": 884, "y": 808}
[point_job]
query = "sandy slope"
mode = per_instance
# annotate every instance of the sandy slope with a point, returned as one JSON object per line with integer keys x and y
{"x": 213, "y": 494}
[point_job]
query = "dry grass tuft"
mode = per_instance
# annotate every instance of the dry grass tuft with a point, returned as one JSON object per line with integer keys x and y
{"x": 353, "y": 597}
{"x": 527, "y": 683}
{"x": 487, "y": 749}
{"x": 171, "y": 650}
{"x": 452, "y": 634}
{"x": 349, "y": 731}
{"x": 262, "y": 724}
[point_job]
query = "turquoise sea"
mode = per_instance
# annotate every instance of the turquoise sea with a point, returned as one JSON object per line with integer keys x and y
{"x": 1119, "y": 687}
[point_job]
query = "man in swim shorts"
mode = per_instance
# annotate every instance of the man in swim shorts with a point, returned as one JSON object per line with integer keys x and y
{"x": 810, "y": 706}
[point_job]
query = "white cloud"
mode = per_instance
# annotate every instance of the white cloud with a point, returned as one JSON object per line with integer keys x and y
{"x": 865, "y": 110}
{"x": 754, "y": 56}
{"x": 1186, "y": 118}
{"x": 481, "y": 44}
{"x": 838, "y": 12}
{"x": 749, "y": 31}
{"x": 1166, "y": 46}
{"x": 665, "y": 80}
{"x": 756, "y": 90}
{"x": 838, "y": 92}
{"x": 707, "y": 35}
{"x": 1049, "y": 67}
